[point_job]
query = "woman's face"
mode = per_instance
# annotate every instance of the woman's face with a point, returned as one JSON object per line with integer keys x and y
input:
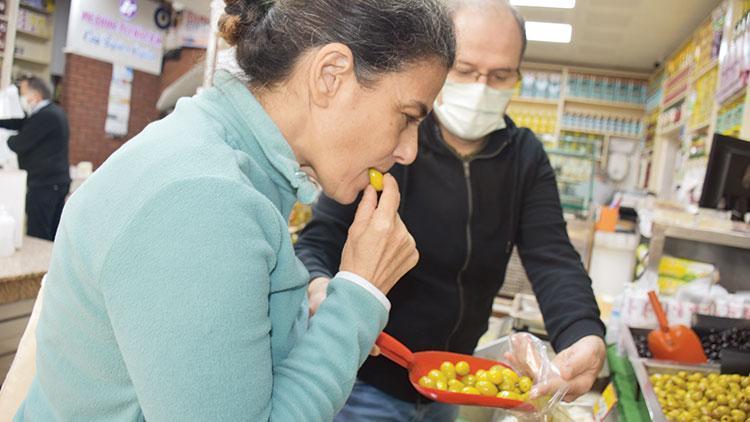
{"x": 374, "y": 126}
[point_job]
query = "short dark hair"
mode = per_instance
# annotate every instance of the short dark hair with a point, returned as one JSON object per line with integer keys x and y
{"x": 383, "y": 35}
{"x": 37, "y": 84}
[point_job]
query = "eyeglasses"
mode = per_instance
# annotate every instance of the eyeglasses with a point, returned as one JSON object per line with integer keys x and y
{"x": 500, "y": 79}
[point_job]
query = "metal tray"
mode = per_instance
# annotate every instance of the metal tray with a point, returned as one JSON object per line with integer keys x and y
{"x": 643, "y": 368}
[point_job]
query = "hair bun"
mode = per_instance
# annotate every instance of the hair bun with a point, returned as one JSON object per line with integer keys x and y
{"x": 241, "y": 16}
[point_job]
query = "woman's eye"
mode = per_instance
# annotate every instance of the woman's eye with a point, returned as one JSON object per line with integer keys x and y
{"x": 411, "y": 120}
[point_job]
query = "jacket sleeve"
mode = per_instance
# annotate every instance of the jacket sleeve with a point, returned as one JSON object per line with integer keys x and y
{"x": 321, "y": 241}
{"x": 12, "y": 124}
{"x": 555, "y": 270}
{"x": 187, "y": 288}
{"x": 33, "y": 132}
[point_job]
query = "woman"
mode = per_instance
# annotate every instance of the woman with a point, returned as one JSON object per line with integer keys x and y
{"x": 174, "y": 292}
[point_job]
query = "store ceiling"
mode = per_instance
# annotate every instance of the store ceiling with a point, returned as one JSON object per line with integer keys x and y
{"x": 628, "y": 35}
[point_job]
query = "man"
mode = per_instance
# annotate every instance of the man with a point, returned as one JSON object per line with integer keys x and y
{"x": 479, "y": 187}
{"x": 42, "y": 148}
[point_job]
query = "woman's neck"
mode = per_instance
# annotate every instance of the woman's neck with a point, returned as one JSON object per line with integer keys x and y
{"x": 287, "y": 112}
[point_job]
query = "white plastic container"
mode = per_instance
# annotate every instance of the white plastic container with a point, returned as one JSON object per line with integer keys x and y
{"x": 7, "y": 232}
{"x": 612, "y": 263}
{"x": 13, "y": 197}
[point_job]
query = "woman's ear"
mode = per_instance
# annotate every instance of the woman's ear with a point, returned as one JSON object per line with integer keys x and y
{"x": 330, "y": 70}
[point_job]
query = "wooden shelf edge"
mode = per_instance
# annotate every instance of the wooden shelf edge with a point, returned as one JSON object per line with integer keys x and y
{"x": 34, "y": 9}
{"x": 33, "y": 35}
{"x": 604, "y": 103}
{"x": 539, "y": 101}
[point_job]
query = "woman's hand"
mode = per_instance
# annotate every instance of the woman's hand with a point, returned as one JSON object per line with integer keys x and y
{"x": 379, "y": 248}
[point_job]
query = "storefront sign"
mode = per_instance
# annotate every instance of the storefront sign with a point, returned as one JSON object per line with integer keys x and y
{"x": 118, "y": 107}
{"x": 121, "y": 32}
{"x": 193, "y": 29}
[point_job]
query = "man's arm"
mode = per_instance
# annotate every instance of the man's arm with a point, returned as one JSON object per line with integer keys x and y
{"x": 555, "y": 270}
{"x": 560, "y": 283}
{"x": 12, "y": 124}
{"x": 33, "y": 132}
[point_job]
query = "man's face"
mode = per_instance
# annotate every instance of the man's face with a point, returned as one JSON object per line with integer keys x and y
{"x": 488, "y": 47}
{"x": 32, "y": 96}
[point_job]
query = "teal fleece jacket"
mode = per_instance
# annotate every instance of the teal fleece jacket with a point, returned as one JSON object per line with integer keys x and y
{"x": 174, "y": 293}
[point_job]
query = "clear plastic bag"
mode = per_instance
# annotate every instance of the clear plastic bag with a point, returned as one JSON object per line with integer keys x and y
{"x": 529, "y": 356}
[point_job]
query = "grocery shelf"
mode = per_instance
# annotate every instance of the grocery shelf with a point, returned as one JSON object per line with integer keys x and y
{"x": 714, "y": 236}
{"x": 34, "y": 9}
{"x": 675, "y": 100}
{"x": 703, "y": 70}
{"x": 537, "y": 101}
{"x": 604, "y": 103}
{"x": 571, "y": 181}
{"x": 573, "y": 154}
{"x": 737, "y": 95}
{"x": 669, "y": 130}
{"x": 580, "y": 141}
{"x": 32, "y": 60}
{"x": 701, "y": 125}
{"x": 32, "y": 34}
{"x": 599, "y": 132}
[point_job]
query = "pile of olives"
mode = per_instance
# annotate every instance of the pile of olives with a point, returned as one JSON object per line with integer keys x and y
{"x": 713, "y": 342}
{"x": 733, "y": 338}
{"x": 498, "y": 381}
{"x": 695, "y": 396}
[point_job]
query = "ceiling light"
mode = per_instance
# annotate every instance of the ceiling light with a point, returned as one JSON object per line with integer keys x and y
{"x": 557, "y": 4}
{"x": 549, "y": 32}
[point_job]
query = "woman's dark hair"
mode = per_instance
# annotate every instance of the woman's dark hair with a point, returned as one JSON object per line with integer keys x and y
{"x": 383, "y": 35}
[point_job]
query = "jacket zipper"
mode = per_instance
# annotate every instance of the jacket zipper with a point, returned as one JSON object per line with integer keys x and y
{"x": 459, "y": 278}
{"x": 459, "y": 285}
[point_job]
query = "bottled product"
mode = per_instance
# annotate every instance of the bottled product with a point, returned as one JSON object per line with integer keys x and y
{"x": 541, "y": 120}
{"x": 607, "y": 88}
{"x": 583, "y": 143}
{"x": 542, "y": 85}
{"x": 603, "y": 123}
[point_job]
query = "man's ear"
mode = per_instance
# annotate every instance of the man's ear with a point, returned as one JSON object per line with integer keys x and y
{"x": 331, "y": 68}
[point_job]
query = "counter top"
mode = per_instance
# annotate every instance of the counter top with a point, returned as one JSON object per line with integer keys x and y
{"x": 21, "y": 273}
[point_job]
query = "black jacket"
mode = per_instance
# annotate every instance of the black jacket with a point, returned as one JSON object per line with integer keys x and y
{"x": 465, "y": 241}
{"x": 42, "y": 145}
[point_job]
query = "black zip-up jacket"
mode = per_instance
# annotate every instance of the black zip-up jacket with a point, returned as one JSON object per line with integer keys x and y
{"x": 466, "y": 216}
{"x": 42, "y": 145}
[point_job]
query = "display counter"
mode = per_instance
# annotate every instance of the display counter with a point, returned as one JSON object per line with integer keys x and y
{"x": 21, "y": 274}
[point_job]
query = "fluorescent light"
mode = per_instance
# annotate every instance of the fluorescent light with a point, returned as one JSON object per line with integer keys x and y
{"x": 549, "y": 32}
{"x": 557, "y": 4}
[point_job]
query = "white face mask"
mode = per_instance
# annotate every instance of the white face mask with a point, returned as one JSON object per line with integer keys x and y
{"x": 471, "y": 111}
{"x": 24, "y": 100}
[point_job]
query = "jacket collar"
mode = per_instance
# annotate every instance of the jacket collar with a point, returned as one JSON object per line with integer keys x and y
{"x": 433, "y": 141}
{"x": 257, "y": 130}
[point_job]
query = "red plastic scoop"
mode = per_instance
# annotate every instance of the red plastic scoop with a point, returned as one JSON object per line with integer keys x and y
{"x": 678, "y": 343}
{"x": 420, "y": 363}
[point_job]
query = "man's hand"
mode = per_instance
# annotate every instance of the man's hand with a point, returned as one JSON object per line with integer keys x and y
{"x": 579, "y": 366}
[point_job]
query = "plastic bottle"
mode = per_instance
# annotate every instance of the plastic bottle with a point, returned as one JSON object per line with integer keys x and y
{"x": 542, "y": 83}
{"x": 7, "y": 232}
{"x": 554, "y": 86}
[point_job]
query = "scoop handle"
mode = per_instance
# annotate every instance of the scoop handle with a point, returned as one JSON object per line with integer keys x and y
{"x": 658, "y": 310}
{"x": 395, "y": 350}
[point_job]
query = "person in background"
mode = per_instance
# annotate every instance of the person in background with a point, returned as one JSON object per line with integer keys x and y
{"x": 174, "y": 293}
{"x": 479, "y": 186}
{"x": 42, "y": 148}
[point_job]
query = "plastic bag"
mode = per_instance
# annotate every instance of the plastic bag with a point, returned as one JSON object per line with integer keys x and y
{"x": 529, "y": 356}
